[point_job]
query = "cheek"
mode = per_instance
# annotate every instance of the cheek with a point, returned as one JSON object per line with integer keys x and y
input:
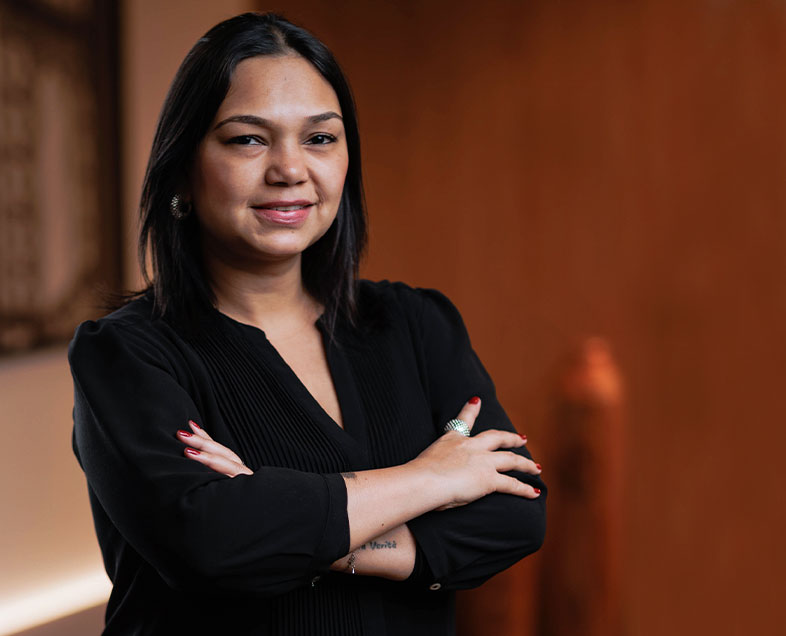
{"x": 339, "y": 175}
{"x": 220, "y": 181}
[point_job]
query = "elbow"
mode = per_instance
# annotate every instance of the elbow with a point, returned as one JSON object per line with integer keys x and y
{"x": 534, "y": 523}
{"x": 535, "y": 533}
{"x": 529, "y": 522}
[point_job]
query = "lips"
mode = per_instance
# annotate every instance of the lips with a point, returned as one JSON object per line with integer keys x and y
{"x": 287, "y": 213}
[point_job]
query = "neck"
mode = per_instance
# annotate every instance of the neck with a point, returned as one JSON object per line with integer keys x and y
{"x": 270, "y": 296}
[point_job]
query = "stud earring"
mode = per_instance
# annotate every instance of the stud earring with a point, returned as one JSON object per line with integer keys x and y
{"x": 179, "y": 209}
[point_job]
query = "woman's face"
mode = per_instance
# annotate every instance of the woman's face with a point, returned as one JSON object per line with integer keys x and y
{"x": 267, "y": 178}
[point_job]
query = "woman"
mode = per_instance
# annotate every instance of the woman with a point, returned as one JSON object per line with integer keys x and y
{"x": 269, "y": 444}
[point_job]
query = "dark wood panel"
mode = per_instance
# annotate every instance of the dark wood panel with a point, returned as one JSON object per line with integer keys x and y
{"x": 59, "y": 200}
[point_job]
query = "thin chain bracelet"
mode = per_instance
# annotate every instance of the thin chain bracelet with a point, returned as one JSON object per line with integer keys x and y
{"x": 351, "y": 563}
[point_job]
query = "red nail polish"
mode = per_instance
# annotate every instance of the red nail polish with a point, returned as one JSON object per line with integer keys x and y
{"x": 538, "y": 466}
{"x": 474, "y": 400}
{"x": 194, "y": 424}
{"x": 537, "y": 491}
{"x": 524, "y": 437}
{"x": 192, "y": 451}
{"x": 185, "y": 433}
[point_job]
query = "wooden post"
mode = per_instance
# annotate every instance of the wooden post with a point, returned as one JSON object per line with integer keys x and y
{"x": 580, "y": 560}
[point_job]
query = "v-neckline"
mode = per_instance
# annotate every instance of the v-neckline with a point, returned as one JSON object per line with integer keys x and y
{"x": 349, "y": 403}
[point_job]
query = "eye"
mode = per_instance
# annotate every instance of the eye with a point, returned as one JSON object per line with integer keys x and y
{"x": 321, "y": 139}
{"x": 246, "y": 140}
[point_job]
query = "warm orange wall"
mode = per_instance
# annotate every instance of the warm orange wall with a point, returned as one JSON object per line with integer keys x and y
{"x": 571, "y": 168}
{"x": 155, "y": 37}
{"x": 559, "y": 169}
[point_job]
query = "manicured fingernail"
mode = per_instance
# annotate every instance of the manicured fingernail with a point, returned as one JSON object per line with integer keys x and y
{"x": 183, "y": 433}
{"x": 192, "y": 451}
{"x": 524, "y": 437}
{"x": 194, "y": 424}
{"x": 537, "y": 491}
{"x": 538, "y": 466}
{"x": 474, "y": 400}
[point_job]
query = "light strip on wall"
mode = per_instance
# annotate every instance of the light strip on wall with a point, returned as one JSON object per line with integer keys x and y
{"x": 45, "y": 604}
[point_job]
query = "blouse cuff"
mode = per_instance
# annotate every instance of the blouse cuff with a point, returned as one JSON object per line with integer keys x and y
{"x": 420, "y": 571}
{"x": 335, "y": 537}
{"x": 430, "y": 565}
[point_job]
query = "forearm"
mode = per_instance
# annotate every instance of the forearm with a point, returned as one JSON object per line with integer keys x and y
{"x": 381, "y": 500}
{"x": 452, "y": 471}
{"x": 390, "y": 555}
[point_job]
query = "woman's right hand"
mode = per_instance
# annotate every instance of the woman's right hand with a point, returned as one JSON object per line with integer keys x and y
{"x": 472, "y": 467}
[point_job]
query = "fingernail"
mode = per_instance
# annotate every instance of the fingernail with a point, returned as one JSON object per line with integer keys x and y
{"x": 537, "y": 491}
{"x": 192, "y": 451}
{"x": 474, "y": 400}
{"x": 524, "y": 437}
{"x": 183, "y": 433}
{"x": 194, "y": 424}
{"x": 538, "y": 467}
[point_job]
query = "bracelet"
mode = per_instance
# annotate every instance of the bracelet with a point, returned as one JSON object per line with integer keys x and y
{"x": 351, "y": 563}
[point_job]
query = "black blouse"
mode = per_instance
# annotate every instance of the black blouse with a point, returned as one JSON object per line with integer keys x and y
{"x": 192, "y": 551}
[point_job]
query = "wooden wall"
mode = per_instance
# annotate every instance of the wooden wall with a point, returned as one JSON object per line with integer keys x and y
{"x": 570, "y": 168}
{"x": 560, "y": 168}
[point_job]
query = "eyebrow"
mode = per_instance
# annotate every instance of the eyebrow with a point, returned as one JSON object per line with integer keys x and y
{"x": 266, "y": 123}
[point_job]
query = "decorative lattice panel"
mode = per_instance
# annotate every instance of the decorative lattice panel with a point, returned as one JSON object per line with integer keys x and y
{"x": 55, "y": 176}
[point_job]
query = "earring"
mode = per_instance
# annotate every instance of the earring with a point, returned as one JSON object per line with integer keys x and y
{"x": 179, "y": 209}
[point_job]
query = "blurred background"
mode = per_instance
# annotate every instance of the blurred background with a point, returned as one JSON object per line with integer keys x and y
{"x": 597, "y": 184}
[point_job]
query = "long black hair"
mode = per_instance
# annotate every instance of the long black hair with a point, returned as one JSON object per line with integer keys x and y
{"x": 179, "y": 286}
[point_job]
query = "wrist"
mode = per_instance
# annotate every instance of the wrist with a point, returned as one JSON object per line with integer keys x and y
{"x": 430, "y": 484}
{"x": 349, "y": 568}
{"x": 390, "y": 556}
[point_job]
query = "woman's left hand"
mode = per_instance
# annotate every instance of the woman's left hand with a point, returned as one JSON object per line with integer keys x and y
{"x": 201, "y": 448}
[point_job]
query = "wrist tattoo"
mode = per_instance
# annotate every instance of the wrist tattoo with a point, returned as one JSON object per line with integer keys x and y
{"x": 379, "y": 545}
{"x": 349, "y": 475}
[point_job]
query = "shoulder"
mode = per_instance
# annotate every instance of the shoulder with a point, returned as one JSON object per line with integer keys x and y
{"x": 132, "y": 329}
{"x": 136, "y": 316}
{"x": 399, "y": 295}
{"x": 419, "y": 305}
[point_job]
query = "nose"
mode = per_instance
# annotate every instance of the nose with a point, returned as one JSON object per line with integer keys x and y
{"x": 286, "y": 165}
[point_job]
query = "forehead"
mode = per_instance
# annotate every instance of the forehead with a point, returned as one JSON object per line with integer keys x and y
{"x": 280, "y": 86}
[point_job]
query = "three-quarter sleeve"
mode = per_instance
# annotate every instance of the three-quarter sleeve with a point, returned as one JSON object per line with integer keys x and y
{"x": 465, "y": 546}
{"x": 261, "y": 534}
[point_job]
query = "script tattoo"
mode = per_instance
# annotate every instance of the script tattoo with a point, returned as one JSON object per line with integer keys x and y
{"x": 379, "y": 545}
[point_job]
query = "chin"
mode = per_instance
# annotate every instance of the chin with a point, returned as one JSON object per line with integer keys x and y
{"x": 282, "y": 252}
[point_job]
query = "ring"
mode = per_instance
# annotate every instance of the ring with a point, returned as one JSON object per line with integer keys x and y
{"x": 457, "y": 425}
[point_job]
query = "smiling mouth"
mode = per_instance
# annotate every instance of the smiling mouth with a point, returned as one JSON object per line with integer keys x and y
{"x": 284, "y": 208}
{"x": 285, "y": 215}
